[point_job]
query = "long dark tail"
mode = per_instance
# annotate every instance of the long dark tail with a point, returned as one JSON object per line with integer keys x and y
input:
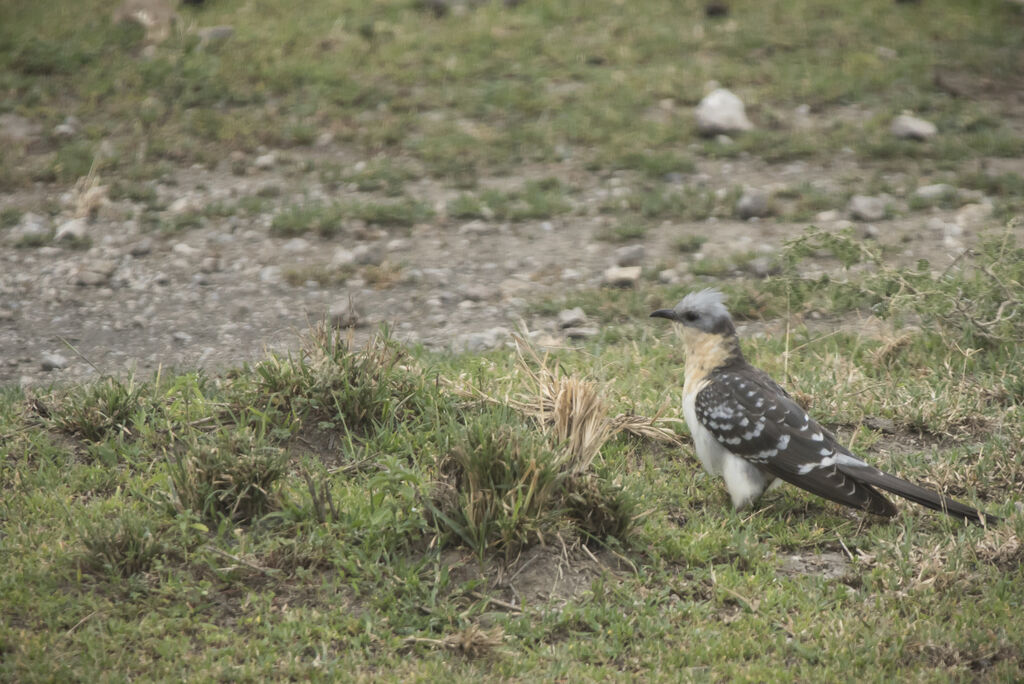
{"x": 912, "y": 492}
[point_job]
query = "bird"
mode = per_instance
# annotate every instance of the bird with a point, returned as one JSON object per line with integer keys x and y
{"x": 749, "y": 431}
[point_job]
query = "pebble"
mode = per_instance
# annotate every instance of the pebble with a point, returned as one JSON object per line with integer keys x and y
{"x": 910, "y": 127}
{"x": 368, "y": 255}
{"x": 343, "y": 257}
{"x": 571, "y": 318}
{"x": 721, "y": 111}
{"x": 270, "y": 274}
{"x": 183, "y": 205}
{"x": 935, "y": 191}
{"x": 865, "y": 208}
{"x": 141, "y": 248}
{"x": 827, "y": 216}
{"x": 972, "y": 215}
{"x": 265, "y": 161}
{"x": 345, "y": 315}
{"x": 296, "y": 245}
{"x": 184, "y": 249}
{"x": 53, "y": 362}
{"x": 181, "y": 337}
{"x": 95, "y": 272}
{"x": 622, "y": 276}
{"x": 31, "y": 226}
{"x": 630, "y": 255}
{"x": 753, "y": 203}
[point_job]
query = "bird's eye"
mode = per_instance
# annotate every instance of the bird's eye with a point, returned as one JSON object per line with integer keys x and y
{"x": 690, "y": 316}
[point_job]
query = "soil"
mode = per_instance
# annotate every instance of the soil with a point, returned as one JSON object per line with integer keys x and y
{"x": 219, "y": 294}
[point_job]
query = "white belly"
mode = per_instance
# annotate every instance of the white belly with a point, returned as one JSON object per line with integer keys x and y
{"x": 744, "y": 481}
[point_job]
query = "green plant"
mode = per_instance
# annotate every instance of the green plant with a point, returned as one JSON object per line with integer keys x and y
{"x": 233, "y": 474}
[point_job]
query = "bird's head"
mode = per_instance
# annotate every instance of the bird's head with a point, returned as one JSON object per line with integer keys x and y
{"x": 703, "y": 311}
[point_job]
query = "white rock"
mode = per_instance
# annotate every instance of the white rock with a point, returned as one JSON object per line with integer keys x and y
{"x": 721, "y": 111}
{"x": 343, "y": 257}
{"x": 296, "y": 245}
{"x": 265, "y": 161}
{"x": 828, "y": 216}
{"x": 345, "y": 315}
{"x": 972, "y": 215}
{"x": 865, "y": 208}
{"x": 630, "y": 255}
{"x": 183, "y": 205}
{"x": 753, "y": 203}
{"x": 935, "y": 191}
{"x": 622, "y": 276}
{"x": 51, "y": 362}
{"x": 270, "y": 274}
{"x": 368, "y": 255}
{"x": 571, "y": 318}
{"x": 912, "y": 128}
{"x": 75, "y": 229}
{"x": 184, "y": 249}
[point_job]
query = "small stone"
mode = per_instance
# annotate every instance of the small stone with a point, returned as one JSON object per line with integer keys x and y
{"x": 477, "y": 228}
{"x": 210, "y": 264}
{"x": 75, "y": 229}
{"x": 95, "y": 273}
{"x": 910, "y": 127}
{"x": 52, "y": 362}
{"x": 184, "y": 249}
{"x": 476, "y": 293}
{"x": 343, "y": 257}
{"x": 6, "y": 315}
{"x": 723, "y": 139}
{"x": 581, "y": 333}
{"x": 270, "y": 274}
{"x": 482, "y": 341}
{"x": 31, "y": 227}
{"x": 622, "y": 276}
{"x": 827, "y": 216}
{"x": 972, "y": 215}
{"x": 865, "y": 208}
{"x": 296, "y": 245}
{"x": 936, "y": 191}
{"x": 721, "y": 111}
{"x": 183, "y": 205}
{"x": 181, "y": 337}
{"x": 571, "y": 318}
{"x": 764, "y": 266}
{"x": 630, "y": 255}
{"x": 265, "y": 161}
{"x": 753, "y": 203}
{"x": 141, "y": 248}
{"x": 668, "y": 276}
{"x": 368, "y": 255}
{"x": 345, "y": 315}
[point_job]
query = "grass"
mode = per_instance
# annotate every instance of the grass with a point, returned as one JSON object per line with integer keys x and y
{"x": 341, "y": 511}
{"x": 503, "y": 86}
{"x": 437, "y": 503}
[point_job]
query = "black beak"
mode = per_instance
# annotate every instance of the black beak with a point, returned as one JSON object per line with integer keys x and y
{"x": 664, "y": 313}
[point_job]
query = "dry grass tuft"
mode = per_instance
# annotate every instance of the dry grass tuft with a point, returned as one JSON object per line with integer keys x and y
{"x": 472, "y": 641}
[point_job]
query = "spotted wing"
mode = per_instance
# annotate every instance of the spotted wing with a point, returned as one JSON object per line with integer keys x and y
{"x": 755, "y": 419}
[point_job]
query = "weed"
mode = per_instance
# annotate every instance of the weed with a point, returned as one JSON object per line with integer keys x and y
{"x": 10, "y": 217}
{"x": 123, "y": 546}
{"x": 623, "y": 230}
{"x": 99, "y": 410}
{"x": 233, "y": 474}
{"x": 298, "y": 219}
